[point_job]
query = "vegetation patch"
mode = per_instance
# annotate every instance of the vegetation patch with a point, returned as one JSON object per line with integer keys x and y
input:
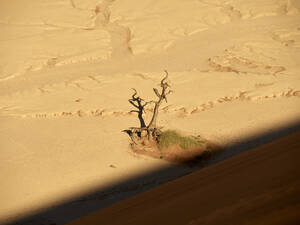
{"x": 150, "y": 140}
{"x": 171, "y": 138}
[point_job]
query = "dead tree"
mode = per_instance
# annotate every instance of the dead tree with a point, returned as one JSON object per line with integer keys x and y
{"x": 161, "y": 96}
{"x": 151, "y": 131}
{"x": 137, "y": 103}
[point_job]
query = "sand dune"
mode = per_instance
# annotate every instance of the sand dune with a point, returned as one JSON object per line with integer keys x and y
{"x": 260, "y": 186}
{"x": 67, "y": 69}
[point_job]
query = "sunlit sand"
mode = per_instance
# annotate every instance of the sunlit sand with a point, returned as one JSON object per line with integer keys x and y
{"x": 67, "y": 69}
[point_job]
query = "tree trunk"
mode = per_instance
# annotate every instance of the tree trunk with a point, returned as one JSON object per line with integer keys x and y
{"x": 152, "y": 123}
{"x": 141, "y": 119}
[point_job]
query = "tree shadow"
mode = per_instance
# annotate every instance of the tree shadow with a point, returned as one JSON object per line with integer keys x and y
{"x": 97, "y": 199}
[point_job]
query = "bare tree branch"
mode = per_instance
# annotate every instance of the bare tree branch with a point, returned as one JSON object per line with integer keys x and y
{"x": 134, "y": 94}
{"x": 136, "y": 101}
{"x": 163, "y": 80}
{"x": 156, "y": 92}
{"x": 132, "y": 103}
{"x": 164, "y": 85}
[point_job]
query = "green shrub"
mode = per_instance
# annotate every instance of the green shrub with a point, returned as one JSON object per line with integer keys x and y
{"x": 170, "y": 138}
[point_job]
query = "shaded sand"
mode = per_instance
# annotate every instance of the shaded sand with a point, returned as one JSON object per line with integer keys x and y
{"x": 66, "y": 73}
{"x": 260, "y": 186}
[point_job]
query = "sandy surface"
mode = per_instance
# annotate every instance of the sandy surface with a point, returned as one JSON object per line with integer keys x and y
{"x": 260, "y": 186}
{"x": 67, "y": 69}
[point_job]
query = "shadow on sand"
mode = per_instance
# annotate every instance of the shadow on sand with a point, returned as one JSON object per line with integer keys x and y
{"x": 82, "y": 205}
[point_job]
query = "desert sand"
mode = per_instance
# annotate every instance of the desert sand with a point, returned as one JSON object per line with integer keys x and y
{"x": 66, "y": 72}
{"x": 260, "y": 186}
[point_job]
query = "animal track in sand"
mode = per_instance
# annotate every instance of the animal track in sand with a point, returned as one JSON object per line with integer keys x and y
{"x": 79, "y": 113}
{"x": 75, "y": 84}
{"x": 43, "y": 91}
{"x": 258, "y": 85}
{"x": 120, "y": 35}
{"x": 230, "y": 11}
{"x": 179, "y": 111}
{"x": 286, "y": 43}
{"x": 230, "y": 62}
{"x": 143, "y": 76}
{"x": 94, "y": 79}
{"x": 288, "y": 7}
{"x": 287, "y": 38}
{"x": 242, "y": 96}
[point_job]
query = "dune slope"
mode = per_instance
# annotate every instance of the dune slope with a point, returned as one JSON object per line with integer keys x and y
{"x": 260, "y": 186}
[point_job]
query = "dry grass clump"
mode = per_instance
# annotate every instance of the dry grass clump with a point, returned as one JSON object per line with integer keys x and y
{"x": 174, "y": 147}
{"x": 171, "y": 138}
